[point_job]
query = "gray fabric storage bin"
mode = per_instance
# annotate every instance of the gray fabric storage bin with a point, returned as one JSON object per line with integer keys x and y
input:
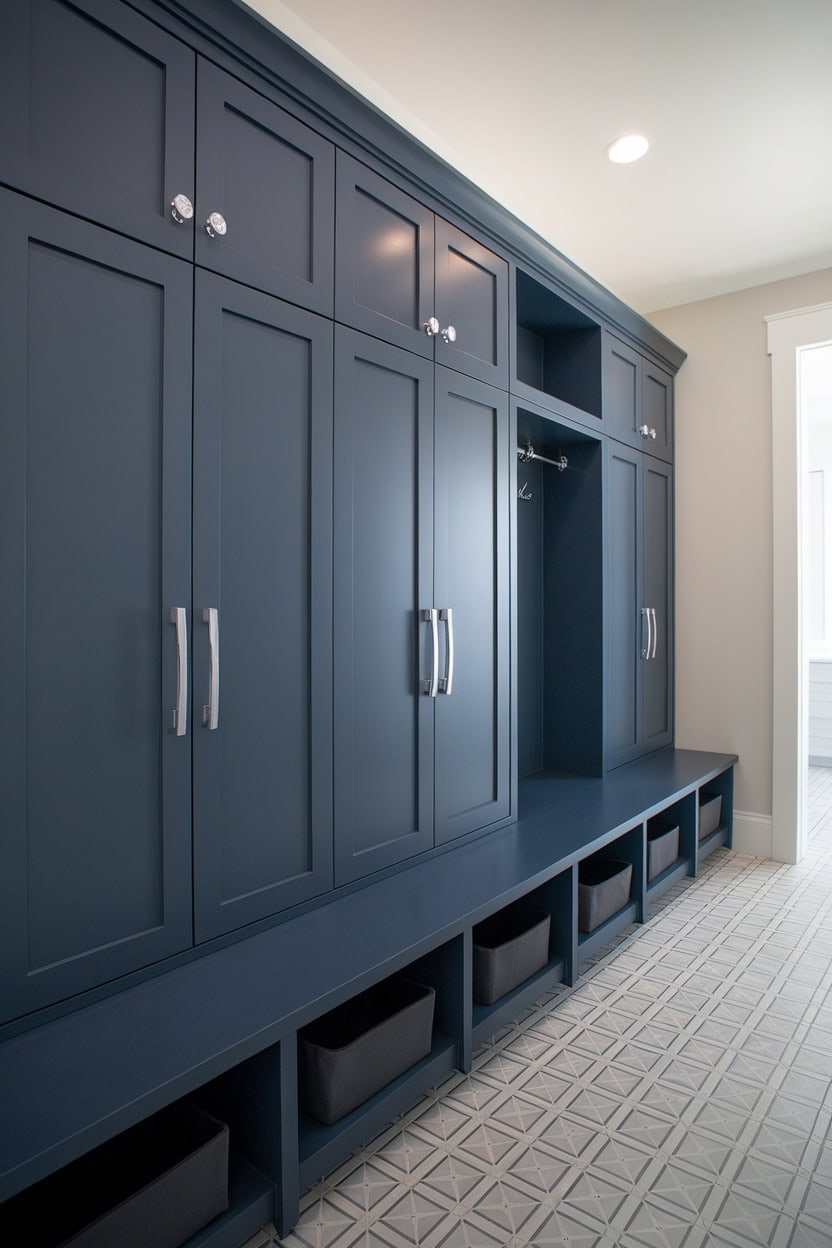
{"x": 710, "y": 813}
{"x": 603, "y": 888}
{"x": 352, "y": 1052}
{"x": 662, "y": 846}
{"x": 154, "y": 1186}
{"x": 508, "y": 948}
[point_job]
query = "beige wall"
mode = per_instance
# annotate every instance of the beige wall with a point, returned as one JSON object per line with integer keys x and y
{"x": 724, "y": 531}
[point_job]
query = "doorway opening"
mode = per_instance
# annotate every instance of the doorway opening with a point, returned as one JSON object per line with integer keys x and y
{"x": 796, "y": 341}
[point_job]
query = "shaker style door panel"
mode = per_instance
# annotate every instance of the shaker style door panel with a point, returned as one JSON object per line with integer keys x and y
{"x": 657, "y": 389}
{"x": 271, "y": 180}
{"x": 657, "y": 729}
{"x": 95, "y": 786}
{"x": 263, "y": 566}
{"x": 622, "y": 391}
{"x": 383, "y": 582}
{"x": 99, "y": 115}
{"x": 384, "y": 259}
{"x": 625, "y": 623}
{"x": 471, "y": 300}
{"x": 472, "y": 592}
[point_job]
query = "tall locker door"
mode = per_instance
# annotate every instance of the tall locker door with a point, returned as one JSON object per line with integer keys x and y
{"x": 471, "y": 592}
{"x": 95, "y": 466}
{"x": 657, "y": 727}
{"x": 262, "y": 606}
{"x": 98, "y": 108}
{"x": 385, "y": 653}
{"x": 624, "y": 622}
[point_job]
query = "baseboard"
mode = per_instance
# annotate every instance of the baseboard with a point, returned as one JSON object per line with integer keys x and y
{"x": 753, "y": 834}
{"x": 820, "y": 760}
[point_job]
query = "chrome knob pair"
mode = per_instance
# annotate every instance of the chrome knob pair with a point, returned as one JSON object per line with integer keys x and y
{"x": 182, "y": 210}
{"x": 647, "y": 432}
{"x": 432, "y": 328}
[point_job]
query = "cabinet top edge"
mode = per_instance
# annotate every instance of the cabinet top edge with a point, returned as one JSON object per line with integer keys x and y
{"x": 229, "y": 27}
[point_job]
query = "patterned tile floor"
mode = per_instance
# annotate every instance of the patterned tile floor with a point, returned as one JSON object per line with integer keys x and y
{"x": 677, "y": 1097}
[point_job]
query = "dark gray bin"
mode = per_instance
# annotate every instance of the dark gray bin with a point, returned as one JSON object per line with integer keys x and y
{"x": 154, "y": 1186}
{"x": 662, "y": 846}
{"x": 352, "y": 1052}
{"x": 603, "y": 888}
{"x": 508, "y": 948}
{"x": 710, "y": 813}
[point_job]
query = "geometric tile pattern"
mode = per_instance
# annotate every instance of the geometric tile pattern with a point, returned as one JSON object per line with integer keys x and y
{"x": 677, "y": 1097}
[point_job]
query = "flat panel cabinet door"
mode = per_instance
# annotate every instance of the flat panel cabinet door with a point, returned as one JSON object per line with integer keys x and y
{"x": 622, "y": 391}
{"x": 271, "y": 180}
{"x": 657, "y": 670}
{"x": 471, "y": 592}
{"x": 472, "y": 306}
{"x": 384, "y": 259}
{"x": 384, "y": 656}
{"x": 263, "y": 606}
{"x": 623, "y": 614}
{"x": 99, "y": 109}
{"x": 657, "y": 390}
{"x": 95, "y": 451}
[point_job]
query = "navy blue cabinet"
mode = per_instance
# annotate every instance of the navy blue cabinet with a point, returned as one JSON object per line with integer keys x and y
{"x": 385, "y": 652}
{"x": 421, "y": 639}
{"x": 99, "y": 109}
{"x": 638, "y": 604}
{"x": 95, "y": 449}
{"x": 638, "y": 399}
{"x": 271, "y": 180}
{"x": 415, "y": 280}
{"x": 471, "y": 593}
{"x": 262, "y": 727}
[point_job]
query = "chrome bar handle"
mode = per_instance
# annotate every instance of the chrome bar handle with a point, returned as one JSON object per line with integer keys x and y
{"x": 655, "y": 632}
{"x": 431, "y": 616}
{"x": 211, "y": 712}
{"x": 178, "y": 617}
{"x": 645, "y": 652}
{"x": 446, "y": 684}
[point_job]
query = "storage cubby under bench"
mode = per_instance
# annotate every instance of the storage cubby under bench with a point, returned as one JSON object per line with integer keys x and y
{"x": 223, "y": 1029}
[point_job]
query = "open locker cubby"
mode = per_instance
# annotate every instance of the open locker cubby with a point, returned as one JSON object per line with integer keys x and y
{"x": 559, "y": 601}
{"x": 322, "y": 1146}
{"x": 722, "y": 786}
{"x": 557, "y": 347}
{"x": 554, "y": 899}
{"x": 681, "y": 815}
{"x": 630, "y": 849}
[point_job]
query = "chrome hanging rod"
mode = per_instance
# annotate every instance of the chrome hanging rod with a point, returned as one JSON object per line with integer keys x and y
{"x": 527, "y": 453}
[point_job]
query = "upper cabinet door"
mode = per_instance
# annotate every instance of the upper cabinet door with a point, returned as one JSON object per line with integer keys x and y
{"x": 99, "y": 115}
{"x": 95, "y": 455}
{"x": 657, "y": 392}
{"x": 263, "y": 567}
{"x": 472, "y": 595}
{"x": 265, "y": 194}
{"x": 383, "y": 584}
{"x": 471, "y": 306}
{"x": 622, "y": 391}
{"x": 384, "y": 259}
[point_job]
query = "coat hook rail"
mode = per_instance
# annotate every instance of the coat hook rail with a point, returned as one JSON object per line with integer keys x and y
{"x": 527, "y": 453}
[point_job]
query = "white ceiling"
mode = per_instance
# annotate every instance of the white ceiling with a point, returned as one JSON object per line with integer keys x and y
{"x": 523, "y": 98}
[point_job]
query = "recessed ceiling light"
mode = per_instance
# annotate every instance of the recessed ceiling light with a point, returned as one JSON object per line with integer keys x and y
{"x": 630, "y": 147}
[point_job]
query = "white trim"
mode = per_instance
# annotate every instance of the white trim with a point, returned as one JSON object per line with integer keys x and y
{"x": 789, "y": 333}
{"x": 753, "y": 834}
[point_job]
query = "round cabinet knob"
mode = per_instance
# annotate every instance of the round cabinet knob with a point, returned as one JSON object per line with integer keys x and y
{"x": 181, "y": 209}
{"x": 432, "y": 327}
{"x": 215, "y": 226}
{"x": 449, "y": 334}
{"x": 644, "y": 430}
{"x": 653, "y": 434}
